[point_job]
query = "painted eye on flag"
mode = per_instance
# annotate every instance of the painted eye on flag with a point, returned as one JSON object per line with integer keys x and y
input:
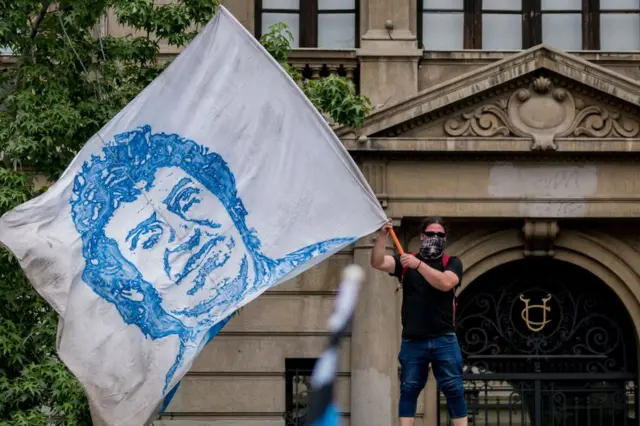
{"x": 182, "y": 197}
{"x": 146, "y": 234}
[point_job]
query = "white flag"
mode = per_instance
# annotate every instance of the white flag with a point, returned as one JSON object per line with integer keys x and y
{"x": 219, "y": 181}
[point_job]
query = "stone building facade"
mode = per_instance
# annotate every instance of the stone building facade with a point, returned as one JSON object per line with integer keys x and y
{"x": 518, "y": 121}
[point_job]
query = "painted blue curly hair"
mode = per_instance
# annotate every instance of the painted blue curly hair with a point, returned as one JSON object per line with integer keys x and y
{"x": 127, "y": 168}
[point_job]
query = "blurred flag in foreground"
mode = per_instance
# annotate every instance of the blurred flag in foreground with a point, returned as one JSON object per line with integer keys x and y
{"x": 322, "y": 406}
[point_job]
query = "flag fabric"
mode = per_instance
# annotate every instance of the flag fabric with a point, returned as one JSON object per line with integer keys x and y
{"x": 219, "y": 181}
{"x": 323, "y": 410}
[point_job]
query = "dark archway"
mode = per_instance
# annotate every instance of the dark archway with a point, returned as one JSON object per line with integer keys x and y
{"x": 546, "y": 343}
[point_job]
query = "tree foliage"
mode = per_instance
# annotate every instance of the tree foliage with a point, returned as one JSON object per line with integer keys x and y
{"x": 68, "y": 81}
{"x": 334, "y": 96}
{"x": 34, "y": 385}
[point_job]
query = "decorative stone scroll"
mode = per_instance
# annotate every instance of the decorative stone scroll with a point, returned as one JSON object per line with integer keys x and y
{"x": 541, "y": 112}
{"x": 487, "y": 120}
{"x": 597, "y": 122}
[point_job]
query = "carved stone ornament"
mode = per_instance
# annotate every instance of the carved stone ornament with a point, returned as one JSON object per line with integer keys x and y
{"x": 541, "y": 112}
{"x": 539, "y": 237}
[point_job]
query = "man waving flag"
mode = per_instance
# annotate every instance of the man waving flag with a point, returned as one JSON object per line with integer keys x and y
{"x": 209, "y": 188}
{"x": 322, "y": 407}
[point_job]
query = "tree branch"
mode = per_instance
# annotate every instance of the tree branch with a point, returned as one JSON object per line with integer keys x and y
{"x": 36, "y": 25}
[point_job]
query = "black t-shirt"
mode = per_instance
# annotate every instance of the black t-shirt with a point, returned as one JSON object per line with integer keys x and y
{"x": 427, "y": 312}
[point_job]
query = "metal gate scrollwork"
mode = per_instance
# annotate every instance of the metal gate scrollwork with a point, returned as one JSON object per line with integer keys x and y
{"x": 546, "y": 343}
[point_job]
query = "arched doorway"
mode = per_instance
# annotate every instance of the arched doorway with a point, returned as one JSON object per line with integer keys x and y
{"x": 546, "y": 343}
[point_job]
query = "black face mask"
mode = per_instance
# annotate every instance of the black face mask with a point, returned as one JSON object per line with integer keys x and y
{"x": 432, "y": 247}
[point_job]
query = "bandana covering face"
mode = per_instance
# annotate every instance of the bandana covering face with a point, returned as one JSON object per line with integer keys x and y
{"x": 432, "y": 247}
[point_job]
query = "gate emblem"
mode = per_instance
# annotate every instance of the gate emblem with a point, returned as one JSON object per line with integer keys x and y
{"x": 535, "y": 326}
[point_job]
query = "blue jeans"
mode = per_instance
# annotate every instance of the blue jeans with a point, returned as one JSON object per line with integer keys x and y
{"x": 443, "y": 353}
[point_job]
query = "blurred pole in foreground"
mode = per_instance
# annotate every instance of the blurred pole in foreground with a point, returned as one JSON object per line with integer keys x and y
{"x": 322, "y": 406}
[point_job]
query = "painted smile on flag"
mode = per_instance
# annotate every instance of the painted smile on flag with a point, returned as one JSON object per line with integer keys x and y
{"x": 165, "y": 238}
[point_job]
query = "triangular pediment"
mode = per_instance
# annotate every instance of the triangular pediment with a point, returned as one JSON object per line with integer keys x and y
{"x": 540, "y": 94}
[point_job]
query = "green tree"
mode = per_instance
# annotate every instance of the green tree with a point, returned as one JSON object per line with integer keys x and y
{"x": 335, "y": 97}
{"x": 67, "y": 83}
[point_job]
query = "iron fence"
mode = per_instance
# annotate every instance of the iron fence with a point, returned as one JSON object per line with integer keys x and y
{"x": 548, "y": 400}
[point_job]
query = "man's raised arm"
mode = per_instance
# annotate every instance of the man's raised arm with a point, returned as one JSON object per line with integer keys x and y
{"x": 379, "y": 258}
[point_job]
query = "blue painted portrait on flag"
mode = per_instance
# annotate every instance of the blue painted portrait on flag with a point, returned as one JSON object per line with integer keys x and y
{"x": 165, "y": 238}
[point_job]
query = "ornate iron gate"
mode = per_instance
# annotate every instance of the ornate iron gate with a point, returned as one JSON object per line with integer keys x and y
{"x": 546, "y": 343}
{"x": 297, "y": 388}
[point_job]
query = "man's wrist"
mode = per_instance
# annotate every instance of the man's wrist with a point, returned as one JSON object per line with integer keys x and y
{"x": 419, "y": 264}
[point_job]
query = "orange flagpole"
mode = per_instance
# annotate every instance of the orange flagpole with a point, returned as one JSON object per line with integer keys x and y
{"x": 396, "y": 241}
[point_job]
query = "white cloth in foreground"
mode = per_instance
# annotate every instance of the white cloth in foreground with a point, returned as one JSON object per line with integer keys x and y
{"x": 219, "y": 181}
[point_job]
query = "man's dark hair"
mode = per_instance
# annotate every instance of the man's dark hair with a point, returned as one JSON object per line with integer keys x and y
{"x": 430, "y": 221}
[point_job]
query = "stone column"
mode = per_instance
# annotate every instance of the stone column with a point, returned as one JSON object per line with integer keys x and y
{"x": 243, "y": 11}
{"x": 376, "y": 14}
{"x": 388, "y": 52}
{"x": 374, "y": 376}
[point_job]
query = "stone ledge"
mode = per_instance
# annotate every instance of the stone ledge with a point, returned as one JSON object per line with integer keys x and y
{"x": 481, "y": 56}
{"x": 488, "y": 145}
{"x": 321, "y": 54}
{"x": 7, "y": 61}
{"x": 226, "y": 422}
{"x": 500, "y": 208}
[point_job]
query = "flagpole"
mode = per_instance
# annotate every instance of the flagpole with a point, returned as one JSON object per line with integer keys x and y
{"x": 396, "y": 241}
